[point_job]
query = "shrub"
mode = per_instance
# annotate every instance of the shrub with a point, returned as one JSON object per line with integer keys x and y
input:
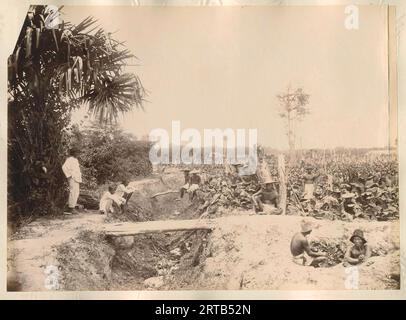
{"x": 109, "y": 154}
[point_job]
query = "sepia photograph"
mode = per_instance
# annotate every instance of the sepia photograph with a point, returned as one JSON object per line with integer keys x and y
{"x": 167, "y": 148}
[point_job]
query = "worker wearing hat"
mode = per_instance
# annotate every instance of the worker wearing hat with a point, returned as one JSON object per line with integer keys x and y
{"x": 301, "y": 250}
{"x": 359, "y": 252}
{"x": 267, "y": 194}
{"x": 348, "y": 205}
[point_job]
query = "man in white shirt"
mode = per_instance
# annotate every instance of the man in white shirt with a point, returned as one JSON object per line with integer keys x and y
{"x": 72, "y": 172}
{"x": 107, "y": 200}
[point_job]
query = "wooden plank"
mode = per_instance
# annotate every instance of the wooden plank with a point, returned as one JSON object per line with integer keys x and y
{"x": 134, "y": 228}
{"x": 282, "y": 183}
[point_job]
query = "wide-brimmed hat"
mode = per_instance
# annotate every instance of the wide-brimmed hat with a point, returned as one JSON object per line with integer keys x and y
{"x": 237, "y": 164}
{"x": 306, "y": 226}
{"x": 269, "y": 181}
{"x": 185, "y": 170}
{"x": 358, "y": 233}
{"x": 348, "y": 195}
{"x": 194, "y": 171}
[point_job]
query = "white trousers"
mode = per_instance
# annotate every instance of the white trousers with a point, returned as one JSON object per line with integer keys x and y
{"x": 106, "y": 205}
{"x": 308, "y": 191}
{"x": 73, "y": 193}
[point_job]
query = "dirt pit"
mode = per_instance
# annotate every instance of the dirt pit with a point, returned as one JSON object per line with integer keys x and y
{"x": 142, "y": 262}
{"x": 241, "y": 253}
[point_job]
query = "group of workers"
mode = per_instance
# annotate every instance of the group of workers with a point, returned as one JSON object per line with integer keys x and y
{"x": 112, "y": 200}
{"x": 228, "y": 189}
{"x": 304, "y": 255}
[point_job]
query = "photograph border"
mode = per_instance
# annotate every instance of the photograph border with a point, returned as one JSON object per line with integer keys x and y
{"x": 10, "y": 24}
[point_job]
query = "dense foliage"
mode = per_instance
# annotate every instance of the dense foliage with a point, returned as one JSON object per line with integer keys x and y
{"x": 50, "y": 72}
{"x": 107, "y": 154}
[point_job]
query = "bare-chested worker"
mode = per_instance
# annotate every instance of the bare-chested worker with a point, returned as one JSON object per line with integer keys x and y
{"x": 360, "y": 252}
{"x": 300, "y": 248}
{"x": 267, "y": 194}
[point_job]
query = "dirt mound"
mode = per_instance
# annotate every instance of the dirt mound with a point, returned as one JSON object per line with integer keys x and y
{"x": 85, "y": 262}
{"x": 32, "y": 251}
{"x": 253, "y": 253}
{"x": 142, "y": 206}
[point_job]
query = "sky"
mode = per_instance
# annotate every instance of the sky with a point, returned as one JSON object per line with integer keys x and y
{"x": 222, "y": 68}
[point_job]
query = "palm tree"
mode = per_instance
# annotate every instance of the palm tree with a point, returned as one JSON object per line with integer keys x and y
{"x": 52, "y": 71}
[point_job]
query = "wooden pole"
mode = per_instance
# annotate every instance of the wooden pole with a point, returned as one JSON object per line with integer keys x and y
{"x": 134, "y": 228}
{"x": 282, "y": 183}
{"x": 163, "y": 193}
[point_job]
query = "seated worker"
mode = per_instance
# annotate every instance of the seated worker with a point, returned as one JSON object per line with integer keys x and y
{"x": 124, "y": 191}
{"x": 195, "y": 181}
{"x": 349, "y": 206}
{"x": 359, "y": 252}
{"x": 300, "y": 248}
{"x": 267, "y": 194}
{"x": 109, "y": 199}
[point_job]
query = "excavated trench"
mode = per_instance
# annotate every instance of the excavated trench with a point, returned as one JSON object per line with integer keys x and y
{"x": 157, "y": 261}
{"x": 180, "y": 260}
{"x": 95, "y": 261}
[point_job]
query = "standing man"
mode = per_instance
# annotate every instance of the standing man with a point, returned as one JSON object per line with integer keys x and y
{"x": 309, "y": 178}
{"x": 72, "y": 172}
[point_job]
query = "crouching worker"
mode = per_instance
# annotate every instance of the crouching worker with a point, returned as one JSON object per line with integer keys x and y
{"x": 301, "y": 251}
{"x": 360, "y": 252}
{"x": 108, "y": 200}
{"x": 266, "y": 195}
{"x": 124, "y": 191}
